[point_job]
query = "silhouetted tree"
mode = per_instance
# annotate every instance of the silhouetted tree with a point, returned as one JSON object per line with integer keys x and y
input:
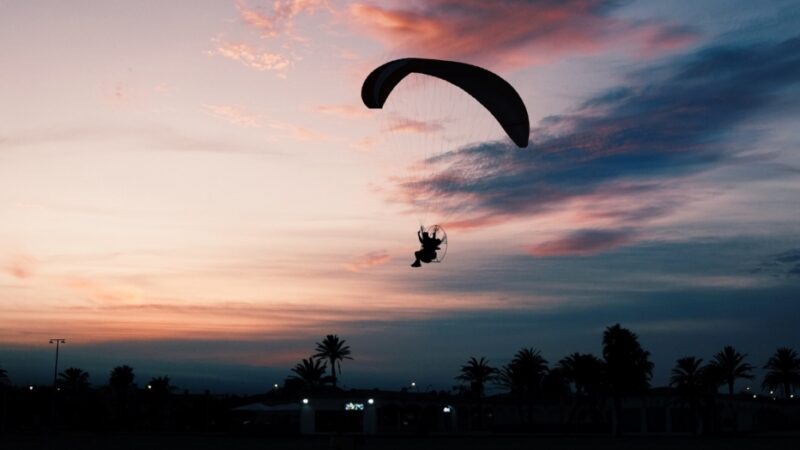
{"x": 477, "y": 373}
{"x": 74, "y": 379}
{"x": 628, "y": 367}
{"x": 121, "y": 378}
{"x": 783, "y": 371}
{"x": 731, "y": 366}
{"x": 523, "y": 376}
{"x": 121, "y": 383}
{"x": 688, "y": 381}
{"x": 584, "y": 371}
{"x": 310, "y": 371}
{"x": 531, "y": 368}
{"x": 159, "y": 390}
{"x": 333, "y": 349}
{"x": 555, "y": 382}
{"x": 160, "y": 386}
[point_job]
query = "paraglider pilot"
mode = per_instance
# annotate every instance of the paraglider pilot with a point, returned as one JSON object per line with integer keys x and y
{"x": 430, "y": 244}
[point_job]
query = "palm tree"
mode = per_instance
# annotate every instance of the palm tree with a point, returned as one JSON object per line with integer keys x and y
{"x": 523, "y": 376}
{"x": 783, "y": 371}
{"x": 310, "y": 371}
{"x": 731, "y": 366}
{"x": 334, "y": 350}
{"x": 531, "y": 368}
{"x": 120, "y": 381}
{"x": 477, "y": 373}
{"x": 584, "y": 371}
{"x": 689, "y": 381}
{"x": 687, "y": 375}
{"x": 121, "y": 378}
{"x": 74, "y": 379}
{"x": 628, "y": 367}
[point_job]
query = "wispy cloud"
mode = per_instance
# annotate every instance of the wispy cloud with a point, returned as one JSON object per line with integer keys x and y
{"x": 405, "y": 125}
{"x": 582, "y": 242}
{"x": 243, "y": 117}
{"x": 103, "y": 292}
{"x": 782, "y": 265}
{"x": 280, "y": 17}
{"x": 149, "y": 137}
{"x": 512, "y": 32}
{"x": 622, "y": 159}
{"x": 368, "y": 260}
{"x": 236, "y": 115}
{"x": 345, "y": 111}
{"x": 20, "y": 266}
{"x": 251, "y": 57}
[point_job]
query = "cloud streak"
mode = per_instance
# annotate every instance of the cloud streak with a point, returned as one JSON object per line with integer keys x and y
{"x": 512, "y": 32}
{"x": 368, "y": 260}
{"x": 251, "y": 57}
{"x": 20, "y": 266}
{"x": 282, "y": 16}
{"x": 583, "y": 242}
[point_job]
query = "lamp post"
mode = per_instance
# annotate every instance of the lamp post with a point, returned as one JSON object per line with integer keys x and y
{"x": 58, "y": 342}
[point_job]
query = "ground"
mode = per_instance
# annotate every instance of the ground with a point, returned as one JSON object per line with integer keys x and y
{"x": 227, "y": 442}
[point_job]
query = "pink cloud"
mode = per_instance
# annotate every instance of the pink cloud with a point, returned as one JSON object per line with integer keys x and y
{"x": 368, "y": 260}
{"x": 101, "y": 291}
{"x": 414, "y": 126}
{"x": 582, "y": 242}
{"x": 245, "y": 118}
{"x": 346, "y": 111}
{"x": 251, "y": 57}
{"x": 235, "y": 115}
{"x": 20, "y": 266}
{"x": 475, "y": 222}
{"x": 508, "y": 32}
{"x": 280, "y": 18}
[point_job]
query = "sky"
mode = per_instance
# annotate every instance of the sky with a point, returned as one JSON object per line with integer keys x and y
{"x": 195, "y": 189}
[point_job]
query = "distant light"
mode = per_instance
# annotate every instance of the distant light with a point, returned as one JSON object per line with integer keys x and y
{"x": 305, "y": 401}
{"x": 754, "y": 396}
{"x": 747, "y": 388}
{"x": 354, "y": 406}
{"x": 371, "y": 401}
{"x": 30, "y": 388}
{"x": 58, "y": 389}
{"x": 149, "y": 386}
{"x": 413, "y": 384}
{"x": 447, "y": 409}
{"x": 275, "y": 385}
{"x": 771, "y": 392}
{"x": 791, "y": 395}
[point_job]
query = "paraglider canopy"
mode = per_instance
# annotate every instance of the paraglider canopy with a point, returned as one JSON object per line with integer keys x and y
{"x": 488, "y": 88}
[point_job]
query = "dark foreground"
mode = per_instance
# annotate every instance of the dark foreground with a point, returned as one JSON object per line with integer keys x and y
{"x": 227, "y": 442}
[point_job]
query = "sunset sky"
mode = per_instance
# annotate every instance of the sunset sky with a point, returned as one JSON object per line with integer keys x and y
{"x": 195, "y": 189}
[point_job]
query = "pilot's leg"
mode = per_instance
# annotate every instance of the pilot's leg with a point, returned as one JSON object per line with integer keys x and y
{"x": 416, "y": 262}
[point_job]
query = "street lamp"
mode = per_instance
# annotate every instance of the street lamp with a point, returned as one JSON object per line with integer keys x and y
{"x": 58, "y": 342}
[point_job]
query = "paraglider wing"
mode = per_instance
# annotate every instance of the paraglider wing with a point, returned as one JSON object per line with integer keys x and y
{"x": 491, "y": 91}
